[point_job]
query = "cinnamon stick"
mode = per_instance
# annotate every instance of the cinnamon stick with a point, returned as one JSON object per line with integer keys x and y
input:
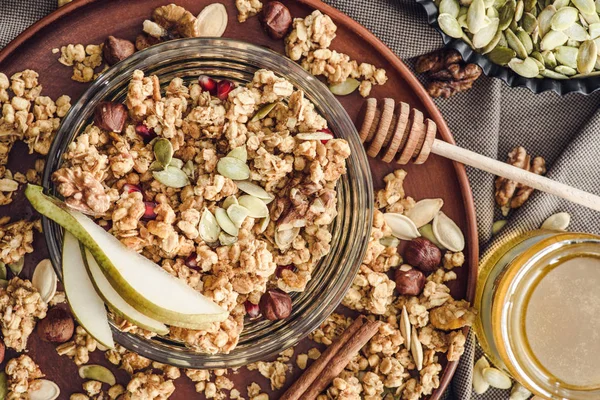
{"x": 333, "y": 360}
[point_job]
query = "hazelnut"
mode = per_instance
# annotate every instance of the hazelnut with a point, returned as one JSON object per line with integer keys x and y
{"x": 143, "y": 41}
{"x": 110, "y": 116}
{"x": 116, "y": 50}
{"x": 276, "y": 19}
{"x": 275, "y": 304}
{"x": 57, "y": 327}
{"x": 409, "y": 281}
{"x": 423, "y": 254}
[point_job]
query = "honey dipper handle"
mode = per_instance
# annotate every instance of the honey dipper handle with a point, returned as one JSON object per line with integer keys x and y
{"x": 513, "y": 173}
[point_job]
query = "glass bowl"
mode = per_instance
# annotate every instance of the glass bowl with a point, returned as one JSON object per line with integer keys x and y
{"x": 585, "y": 85}
{"x": 237, "y": 61}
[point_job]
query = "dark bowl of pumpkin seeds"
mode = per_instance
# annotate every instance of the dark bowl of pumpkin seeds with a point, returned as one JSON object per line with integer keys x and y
{"x": 539, "y": 44}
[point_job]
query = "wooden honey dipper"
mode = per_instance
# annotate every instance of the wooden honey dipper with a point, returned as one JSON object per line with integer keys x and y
{"x": 397, "y": 132}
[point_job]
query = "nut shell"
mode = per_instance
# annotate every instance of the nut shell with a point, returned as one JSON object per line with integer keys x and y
{"x": 275, "y": 304}
{"x": 57, "y": 327}
{"x": 110, "y": 116}
{"x": 421, "y": 253}
{"x": 410, "y": 282}
{"x": 276, "y": 19}
{"x": 116, "y": 50}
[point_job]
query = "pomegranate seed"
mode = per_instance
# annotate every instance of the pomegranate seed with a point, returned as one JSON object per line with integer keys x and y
{"x": 149, "y": 213}
{"x": 252, "y": 309}
{"x": 146, "y": 133}
{"x": 130, "y": 188}
{"x": 326, "y": 130}
{"x": 208, "y": 84}
{"x": 191, "y": 262}
{"x": 223, "y": 89}
{"x": 280, "y": 269}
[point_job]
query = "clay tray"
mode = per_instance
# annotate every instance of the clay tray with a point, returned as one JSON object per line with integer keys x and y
{"x": 91, "y": 21}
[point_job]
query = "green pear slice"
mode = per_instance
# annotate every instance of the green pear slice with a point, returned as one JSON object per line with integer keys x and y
{"x": 87, "y": 307}
{"x": 140, "y": 282}
{"x": 116, "y": 302}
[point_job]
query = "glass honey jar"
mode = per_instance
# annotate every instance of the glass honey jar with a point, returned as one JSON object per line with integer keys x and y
{"x": 538, "y": 297}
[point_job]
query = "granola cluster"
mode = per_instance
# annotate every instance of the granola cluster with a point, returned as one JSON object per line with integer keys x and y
{"x": 247, "y": 9}
{"x": 309, "y": 42}
{"x": 21, "y": 375}
{"x": 85, "y": 60}
{"x": 110, "y": 176}
{"x": 385, "y": 364}
{"x": 16, "y": 239}
{"x": 79, "y": 348}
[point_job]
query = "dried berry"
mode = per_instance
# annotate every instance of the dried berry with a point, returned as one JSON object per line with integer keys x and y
{"x": 252, "y": 310}
{"x": 275, "y": 304}
{"x": 146, "y": 133}
{"x": 131, "y": 188}
{"x": 149, "y": 214}
{"x": 116, "y": 50}
{"x": 208, "y": 84}
{"x": 110, "y": 116}
{"x": 57, "y": 327}
{"x": 191, "y": 261}
{"x": 281, "y": 268}
{"x": 223, "y": 88}
{"x": 325, "y": 130}
{"x": 2, "y": 351}
{"x": 276, "y": 19}
{"x": 423, "y": 254}
{"x": 409, "y": 281}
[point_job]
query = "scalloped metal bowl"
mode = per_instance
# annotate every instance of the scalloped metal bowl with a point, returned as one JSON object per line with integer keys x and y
{"x": 576, "y": 85}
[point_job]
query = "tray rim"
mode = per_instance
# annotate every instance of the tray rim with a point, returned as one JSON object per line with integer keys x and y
{"x": 383, "y": 50}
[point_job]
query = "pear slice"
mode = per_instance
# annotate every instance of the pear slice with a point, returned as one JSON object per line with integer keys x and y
{"x": 116, "y": 302}
{"x": 140, "y": 282}
{"x": 85, "y": 303}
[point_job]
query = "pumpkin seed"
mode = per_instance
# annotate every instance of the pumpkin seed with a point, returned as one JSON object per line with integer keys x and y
{"x": 548, "y": 73}
{"x": 597, "y": 41}
{"x": 476, "y": 16}
{"x": 449, "y": 25}
{"x": 390, "y": 241}
{"x": 253, "y": 189}
{"x": 227, "y": 240}
{"x": 486, "y": 34}
{"x": 427, "y": 232}
{"x": 525, "y": 39}
{"x": 44, "y": 280}
{"x": 561, "y": 3}
{"x": 3, "y": 285}
{"x": 256, "y": 207}
{"x": 467, "y": 39}
{"x": 506, "y": 14}
{"x": 553, "y": 39}
{"x": 567, "y": 55}
{"x": 416, "y": 349}
{"x": 451, "y": 7}
{"x": 171, "y": 177}
{"x": 577, "y": 32}
{"x": 480, "y": 385}
{"x": 462, "y": 21}
{"x": 498, "y": 225}
{"x": 564, "y": 18}
{"x": 3, "y": 385}
{"x": 283, "y": 239}
{"x": 549, "y": 59}
{"x": 239, "y": 153}
{"x": 527, "y": 68}
{"x": 237, "y": 214}
{"x": 515, "y": 44}
{"x": 594, "y": 30}
{"x": 189, "y": 169}
{"x": 501, "y": 55}
{"x": 263, "y": 112}
{"x": 43, "y": 389}
{"x": 344, "y": 88}
{"x": 264, "y": 224}
{"x": 233, "y": 168}
{"x": 177, "y": 163}
{"x": 538, "y": 56}
{"x": 496, "y": 378}
{"x": 491, "y": 13}
{"x": 2, "y": 270}
{"x": 209, "y": 227}
{"x": 585, "y": 6}
{"x": 545, "y": 19}
{"x": 582, "y": 20}
{"x": 557, "y": 222}
{"x": 405, "y": 326}
{"x": 447, "y": 232}
{"x": 519, "y": 392}
{"x": 424, "y": 211}
{"x": 586, "y": 57}
{"x": 499, "y": 4}
{"x": 225, "y": 222}
{"x": 462, "y": 11}
{"x": 402, "y": 227}
{"x": 17, "y": 266}
{"x": 97, "y": 373}
{"x": 529, "y": 22}
{"x": 314, "y": 136}
{"x": 163, "y": 151}
{"x": 567, "y": 71}
{"x": 493, "y": 43}
{"x": 230, "y": 200}
{"x": 212, "y": 20}
{"x": 529, "y": 5}
{"x": 502, "y": 41}
{"x": 592, "y": 18}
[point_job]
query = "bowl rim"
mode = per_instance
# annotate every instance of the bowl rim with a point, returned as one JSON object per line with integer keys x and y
{"x": 583, "y": 85}
{"x": 351, "y": 248}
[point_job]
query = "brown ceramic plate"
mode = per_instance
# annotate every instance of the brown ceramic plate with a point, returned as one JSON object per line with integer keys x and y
{"x": 91, "y": 21}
